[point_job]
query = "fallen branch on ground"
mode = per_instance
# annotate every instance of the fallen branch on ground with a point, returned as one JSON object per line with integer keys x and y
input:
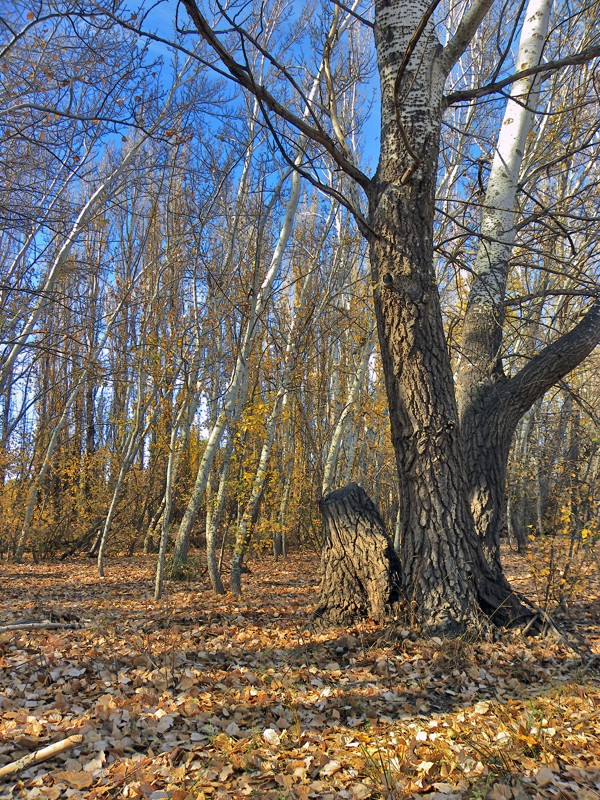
{"x": 40, "y": 755}
{"x": 30, "y": 626}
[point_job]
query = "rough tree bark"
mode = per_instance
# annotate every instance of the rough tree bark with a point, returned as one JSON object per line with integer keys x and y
{"x": 491, "y": 405}
{"x": 361, "y": 571}
{"x": 490, "y": 418}
{"x": 438, "y": 532}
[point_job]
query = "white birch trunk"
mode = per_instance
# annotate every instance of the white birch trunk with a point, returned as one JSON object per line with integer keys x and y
{"x": 484, "y": 319}
{"x": 280, "y": 538}
{"x": 213, "y": 521}
{"x": 353, "y": 393}
{"x": 497, "y": 225}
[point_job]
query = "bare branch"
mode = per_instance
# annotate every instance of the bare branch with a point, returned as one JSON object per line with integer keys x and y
{"x": 354, "y": 14}
{"x": 540, "y": 69}
{"x": 40, "y": 755}
{"x": 554, "y": 362}
{"x": 244, "y": 77}
{"x": 362, "y": 223}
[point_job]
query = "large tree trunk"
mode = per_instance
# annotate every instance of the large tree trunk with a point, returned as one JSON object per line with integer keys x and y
{"x": 490, "y": 417}
{"x": 437, "y": 527}
{"x": 361, "y": 571}
{"x": 487, "y": 436}
{"x": 451, "y": 469}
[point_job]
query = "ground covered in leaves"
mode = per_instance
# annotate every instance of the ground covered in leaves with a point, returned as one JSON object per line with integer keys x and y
{"x": 199, "y": 696}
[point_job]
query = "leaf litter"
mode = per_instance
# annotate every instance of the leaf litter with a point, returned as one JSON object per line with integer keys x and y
{"x": 198, "y": 696}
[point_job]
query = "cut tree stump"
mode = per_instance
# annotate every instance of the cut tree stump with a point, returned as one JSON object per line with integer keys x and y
{"x": 360, "y": 568}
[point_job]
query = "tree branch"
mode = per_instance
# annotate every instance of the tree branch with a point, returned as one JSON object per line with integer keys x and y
{"x": 354, "y": 14}
{"x": 540, "y": 69}
{"x": 467, "y": 28}
{"x": 554, "y": 362}
{"x": 40, "y": 755}
{"x": 244, "y": 77}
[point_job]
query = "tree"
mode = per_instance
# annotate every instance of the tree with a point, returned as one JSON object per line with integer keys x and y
{"x": 444, "y": 571}
{"x": 490, "y": 402}
{"x": 361, "y": 572}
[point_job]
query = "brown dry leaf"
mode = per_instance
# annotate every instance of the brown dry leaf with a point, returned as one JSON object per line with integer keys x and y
{"x": 78, "y": 780}
{"x": 499, "y": 791}
{"x": 545, "y": 777}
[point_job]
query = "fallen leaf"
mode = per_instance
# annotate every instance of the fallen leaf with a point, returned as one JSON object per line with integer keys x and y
{"x": 271, "y": 736}
{"x": 544, "y": 777}
{"x": 499, "y": 791}
{"x": 331, "y": 768}
{"x": 77, "y": 780}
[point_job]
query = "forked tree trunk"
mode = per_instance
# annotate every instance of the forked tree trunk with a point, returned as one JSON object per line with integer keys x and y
{"x": 361, "y": 571}
{"x": 438, "y": 532}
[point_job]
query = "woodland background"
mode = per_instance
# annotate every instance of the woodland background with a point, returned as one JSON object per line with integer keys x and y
{"x": 179, "y": 310}
{"x": 189, "y": 364}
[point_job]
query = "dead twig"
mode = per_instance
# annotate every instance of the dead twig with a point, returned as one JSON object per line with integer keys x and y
{"x": 44, "y": 754}
{"x": 31, "y": 626}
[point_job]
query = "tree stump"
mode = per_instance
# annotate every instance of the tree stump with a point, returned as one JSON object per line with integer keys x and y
{"x": 360, "y": 568}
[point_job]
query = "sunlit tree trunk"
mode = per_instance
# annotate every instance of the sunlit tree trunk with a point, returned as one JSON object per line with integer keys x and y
{"x": 436, "y": 522}
{"x": 331, "y": 461}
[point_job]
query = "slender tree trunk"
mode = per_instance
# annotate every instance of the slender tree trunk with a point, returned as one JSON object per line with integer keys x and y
{"x": 213, "y": 522}
{"x": 152, "y": 529}
{"x": 166, "y": 515}
{"x": 353, "y": 393}
{"x": 253, "y": 503}
{"x": 279, "y": 537}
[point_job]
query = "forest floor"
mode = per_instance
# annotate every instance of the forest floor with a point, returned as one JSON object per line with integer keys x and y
{"x": 198, "y": 696}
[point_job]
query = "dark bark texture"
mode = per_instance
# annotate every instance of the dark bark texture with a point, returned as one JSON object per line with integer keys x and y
{"x": 490, "y": 407}
{"x": 360, "y": 569}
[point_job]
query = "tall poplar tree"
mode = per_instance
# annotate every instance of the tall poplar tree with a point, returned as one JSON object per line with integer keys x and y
{"x": 444, "y": 571}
